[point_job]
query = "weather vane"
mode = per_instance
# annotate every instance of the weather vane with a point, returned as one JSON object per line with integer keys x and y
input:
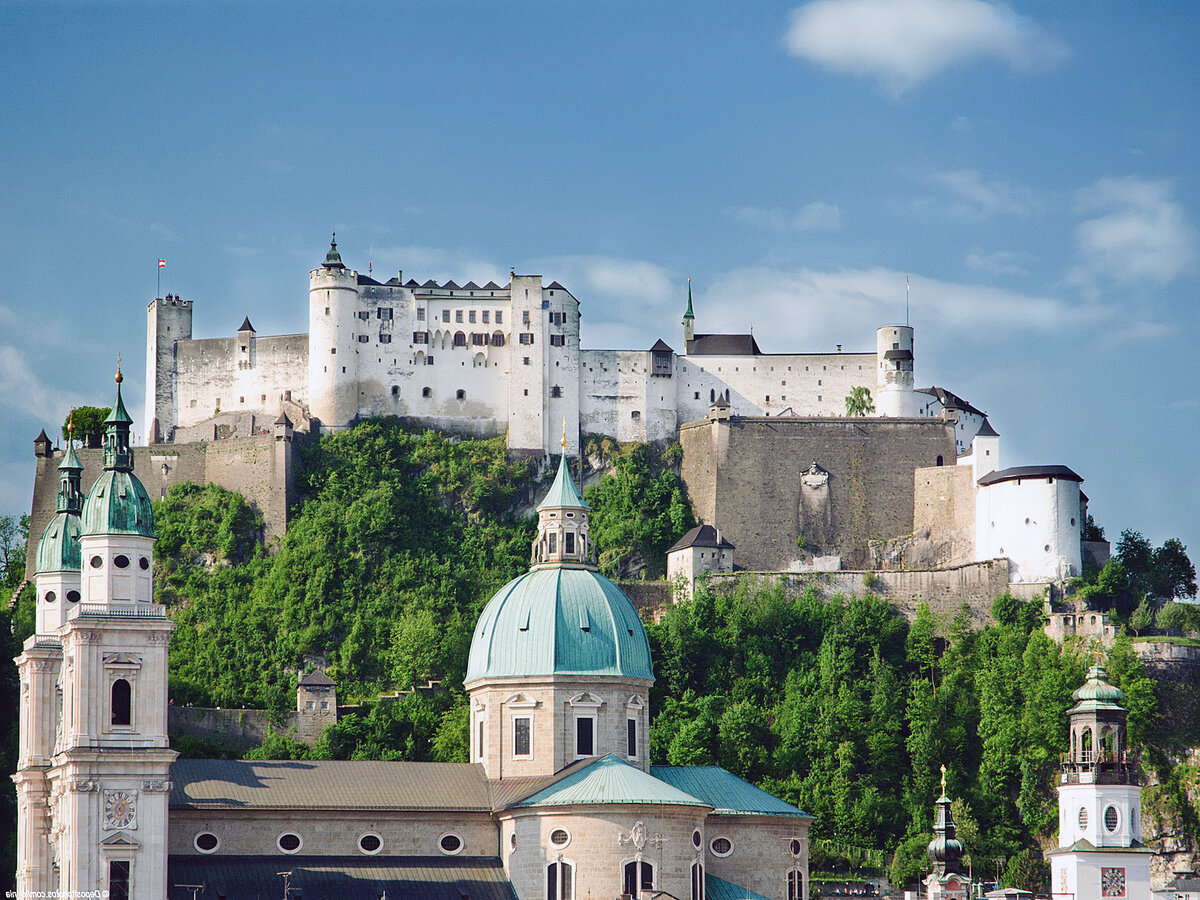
{"x": 943, "y": 779}
{"x": 564, "y": 439}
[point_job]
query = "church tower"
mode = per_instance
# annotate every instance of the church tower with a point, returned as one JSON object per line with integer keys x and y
{"x": 945, "y": 880}
{"x": 1100, "y": 852}
{"x": 689, "y": 320}
{"x": 108, "y": 781}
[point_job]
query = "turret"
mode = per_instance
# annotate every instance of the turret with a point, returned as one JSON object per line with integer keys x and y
{"x": 894, "y": 371}
{"x": 168, "y": 320}
{"x": 57, "y": 563}
{"x": 332, "y": 342}
{"x": 562, "y": 536}
{"x": 689, "y": 319}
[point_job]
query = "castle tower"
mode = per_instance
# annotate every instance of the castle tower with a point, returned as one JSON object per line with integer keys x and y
{"x": 57, "y": 564}
{"x": 167, "y": 320}
{"x": 1100, "y": 851}
{"x": 689, "y": 319}
{"x": 896, "y": 397}
{"x": 529, "y": 355}
{"x": 945, "y": 880}
{"x": 332, "y": 342}
{"x": 559, "y": 668}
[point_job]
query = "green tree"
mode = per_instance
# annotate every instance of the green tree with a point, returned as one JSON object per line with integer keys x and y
{"x": 1143, "y": 616}
{"x": 1172, "y": 573}
{"x": 859, "y": 402}
{"x": 88, "y": 422}
{"x": 1183, "y": 617}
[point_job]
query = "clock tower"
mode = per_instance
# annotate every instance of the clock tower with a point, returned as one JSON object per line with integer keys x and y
{"x": 1100, "y": 852}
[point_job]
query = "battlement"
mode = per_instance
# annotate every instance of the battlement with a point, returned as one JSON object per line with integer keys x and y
{"x": 170, "y": 301}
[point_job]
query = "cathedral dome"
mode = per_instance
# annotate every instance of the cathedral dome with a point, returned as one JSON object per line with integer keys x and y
{"x": 118, "y": 504}
{"x": 559, "y": 621}
{"x": 1096, "y": 693}
{"x": 58, "y": 547}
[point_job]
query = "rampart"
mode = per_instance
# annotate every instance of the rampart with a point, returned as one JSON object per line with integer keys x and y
{"x": 785, "y": 488}
{"x": 242, "y": 729}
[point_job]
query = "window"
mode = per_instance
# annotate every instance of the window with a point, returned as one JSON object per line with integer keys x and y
{"x": 458, "y": 315}
{"x": 73, "y": 596}
{"x": 721, "y": 846}
{"x": 363, "y": 338}
{"x": 1083, "y": 818}
{"x": 795, "y": 847}
{"x": 526, "y": 337}
{"x": 1111, "y": 819}
{"x": 631, "y": 741}
{"x": 635, "y": 415}
{"x": 445, "y": 315}
{"x": 122, "y": 706}
{"x": 426, "y": 392}
{"x": 696, "y": 395}
{"x": 429, "y": 360}
{"x": 560, "y": 880}
{"x": 395, "y": 390}
{"x": 370, "y": 843}
{"x": 206, "y": 842}
{"x": 524, "y": 317}
{"x": 385, "y": 338}
{"x": 553, "y": 542}
{"x": 585, "y": 729}
{"x": 420, "y": 314}
{"x": 118, "y": 879}
{"x": 478, "y": 339}
{"x": 289, "y": 842}
{"x": 569, "y": 542}
{"x": 639, "y": 876}
{"x": 558, "y": 340}
{"x": 471, "y": 316}
{"x": 795, "y": 885}
{"x": 460, "y": 339}
{"x": 450, "y": 843}
{"x": 487, "y": 316}
{"x": 545, "y": 304}
{"x": 364, "y": 314}
{"x": 460, "y": 394}
{"x": 479, "y": 738}
{"x": 560, "y": 837}
{"x": 525, "y": 362}
{"x": 497, "y": 338}
{"x": 556, "y": 391}
{"x": 385, "y": 313}
{"x": 697, "y": 881}
{"x": 522, "y": 739}
{"x": 121, "y": 561}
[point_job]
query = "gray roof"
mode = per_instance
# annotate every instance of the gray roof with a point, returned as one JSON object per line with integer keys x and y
{"x": 343, "y": 877}
{"x": 660, "y": 344}
{"x": 367, "y": 279}
{"x": 1029, "y": 472}
{"x": 317, "y": 678}
{"x": 950, "y": 400}
{"x": 510, "y": 791}
{"x": 327, "y": 784}
{"x": 986, "y": 430}
{"x": 246, "y": 326}
{"x": 700, "y": 536}
{"x": 723, "y": 345}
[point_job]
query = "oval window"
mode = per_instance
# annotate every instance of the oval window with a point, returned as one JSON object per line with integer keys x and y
{"x": 370, "y": 843}
{"x": 1083, "y": 818}
{"x": 289, "y": 842}
{"x": 560, "y": 837}
{"x": 696, "y": 838}
{"x": 144, "y": 563}
{"x": 121, "y": 561}
{"x": 51, "y": 596}
{"x": 206, "y": 842}
{"x": 512, "y": 841}
{"x": 1111, "y": 819}
{"x": 721, "y": 846}
{"x": 795, "y": 847}
{"x": 73, "y": 596}
{"x": 96, "y": 562}
{"x": 450, "y": 843}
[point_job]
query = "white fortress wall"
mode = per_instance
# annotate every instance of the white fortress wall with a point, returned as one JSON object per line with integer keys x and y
{"x": 1033, "y": 521}
{"x": 620, "y": 397}
{"x": 211, "y": 376}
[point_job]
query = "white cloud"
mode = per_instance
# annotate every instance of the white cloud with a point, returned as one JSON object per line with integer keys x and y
{"x": 1141, "y": 233}
{"x": 902, "y": 43}
{"x": 424, "y": 263}
{"x": 816, "y": 216}
{"x": 23, "y": 390}
{"x": 981, "y": 197}
{"x": 1001, "y": 262}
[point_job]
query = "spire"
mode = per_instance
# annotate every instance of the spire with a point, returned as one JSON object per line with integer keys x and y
{"x": 945, "y": 850}
{"x": 563, "y": 492}
{"x": 117, "y": 454}
{"x": 689, "y": 314}
{"x": 246, "y": 326}
{"x": 333, "y": 259}
{"x": 70, "y": 496}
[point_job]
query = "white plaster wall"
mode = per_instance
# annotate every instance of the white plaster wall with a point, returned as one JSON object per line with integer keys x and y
{"x": 107, "y": 582}
{"x": 52, "y": 614}
{"x": 1033, "y": 523}
{"x": 894, "y": 378}
{"x": 1074, "y": 876}
{"x": 211, "y": 377}
{"x": 1096, "y": 798}
{"x": 332, "y": 346}
{"x": 167, "y": 321}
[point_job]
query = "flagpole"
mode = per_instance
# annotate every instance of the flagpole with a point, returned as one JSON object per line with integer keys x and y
{"x": 158, "y": 290}
{"x": 907, "y": 286}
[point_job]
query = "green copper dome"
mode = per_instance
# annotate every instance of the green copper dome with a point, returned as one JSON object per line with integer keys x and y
{"x": 559, "y": 621}
{"x": 58, "y": 547}
{"x": 118, "y": 504}
{"x": 1096, "y": 693}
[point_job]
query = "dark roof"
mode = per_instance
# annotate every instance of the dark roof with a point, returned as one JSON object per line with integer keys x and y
{"x": 1185, "y": 883}
{"x": 284, "y": 420}
{"x": 470, "y": 286}
{"x": 492, "y": 286}
{"x": 430, "y": 284}
{"x": 412, "y": 282}
{"x": 1029, "y": 472}
{"x": 327, "y": 784}
{"x": 660, "y": 344}
{"x": 721, "y": 402}
{"x": 510, "y": 791}
{"x": 41, "y": 438}
{"x": 898, "y": 354}
{"x": 450, "y": 286}
{"x": 316, "y": 678}
{"x": 723, "y": 345}
{"x": 986, "y": 430}
{"x": 700, "y": 536}
{"x": 345, "y": 877}
{"x": 393, "y": 281}
{"x": 555, "y": 286}
{"x": 367, "y": 279}
{"x": 950, "y": 400}
{"x": 246, "y": 326}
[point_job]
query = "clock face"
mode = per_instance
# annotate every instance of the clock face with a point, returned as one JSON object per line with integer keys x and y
{"x": 118, "y": 809}
{"x": 1112, "y": 882}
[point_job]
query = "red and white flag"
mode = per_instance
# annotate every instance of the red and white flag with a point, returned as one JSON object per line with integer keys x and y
{"x": 162, "y": 263}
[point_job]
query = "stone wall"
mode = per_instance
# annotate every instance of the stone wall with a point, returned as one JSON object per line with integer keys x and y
{"x": 241, "y": 729}
{"x": 944, "y": 504}
{"x": 747, "y": 476}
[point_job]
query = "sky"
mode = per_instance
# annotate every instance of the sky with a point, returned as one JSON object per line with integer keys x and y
{"x": 1030, "y": 166}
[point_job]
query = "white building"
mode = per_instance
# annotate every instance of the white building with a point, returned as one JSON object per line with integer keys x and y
{"x": 486, "y": 360}
{"x": 1033, "y": 515}
{"x": 700, "y": 551}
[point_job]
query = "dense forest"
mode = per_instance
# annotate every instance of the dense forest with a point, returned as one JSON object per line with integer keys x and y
{"x": 836, "y": 704}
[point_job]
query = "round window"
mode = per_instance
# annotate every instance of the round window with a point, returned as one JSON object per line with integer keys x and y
{"x": 795, "y": 847}
{"x": 696, "y": 838}
{"x": 1111, "y": 819}
{"x": 73, "y": 596}
{"x": 512, "y": 841}
{"x": 450, "y": 843}
{"x": 144, "y": 563}
{"x": 560, "y": 837}
{"x": 289, "y": 842}
{"x": 206, "y": 842}
{"x": 121, "y": 561}
{"x": 721, "y": 846}
{"x": 1083, "y": 818}
{"x": 51, "y": 596}
{"x": 96, "y": 562}
{"x": 370, "y": 843}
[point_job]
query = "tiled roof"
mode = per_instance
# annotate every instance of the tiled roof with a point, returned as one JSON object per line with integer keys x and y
{"x": 719, "y": 889}
{"x": 492, "y": 286}
{"x": 609, "y": 780}
{"x": 450, "y": 286}
{"x": 471, "y": 286}
{"x": 317, "y": 678}
{"x": 555, "y": 286}
{"x": 345, "y": 877}
{"x": 700, "y": 536}
{"x": 986, "y": 430}
{"x": 723, "y": 345}
{"x": 327, "y": 784}
{"x": 950, "y": 400}
{"x": 1029, "y": 472}
{"x": 725, "y": 792}
{"x": 246, "y": 326}
{"x": 411, "y": 283}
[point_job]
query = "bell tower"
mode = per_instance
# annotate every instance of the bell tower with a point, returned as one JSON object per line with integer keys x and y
{"x": 562, "y": 536}
{"x": 1100, "y": 852}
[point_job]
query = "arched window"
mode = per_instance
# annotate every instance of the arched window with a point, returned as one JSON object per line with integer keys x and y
{"x": 697, "y": 881}
{"x": 497, "y": 338}
{"x": 460, "y": 339}
{"x": 795, "y": 885}
{"x": 426, "y": 392}
{"x": 638, "y": 877}
{"x": 122, "y": 706}
{"x": 940, "y": 461}
{"x": 560, "y": 880}
{"x": 712, "y": 395}
{"x": 1085, "y": 745}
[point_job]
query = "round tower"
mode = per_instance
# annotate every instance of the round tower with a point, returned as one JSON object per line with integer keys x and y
{"x": 57, "y": 563}
{"x": 116, "y": 539}
{"x": 894, "y": 371}
{"x": 332, "y": 342}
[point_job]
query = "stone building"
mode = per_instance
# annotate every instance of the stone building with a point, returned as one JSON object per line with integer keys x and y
{"x": 700, "y": 551}
{"x": 559, "y": 800}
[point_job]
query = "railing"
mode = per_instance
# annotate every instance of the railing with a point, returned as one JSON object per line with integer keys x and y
{"x": 133, "y": 611}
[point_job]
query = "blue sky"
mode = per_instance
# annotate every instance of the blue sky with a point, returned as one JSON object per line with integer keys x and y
{"x": 1032, "y": 166}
